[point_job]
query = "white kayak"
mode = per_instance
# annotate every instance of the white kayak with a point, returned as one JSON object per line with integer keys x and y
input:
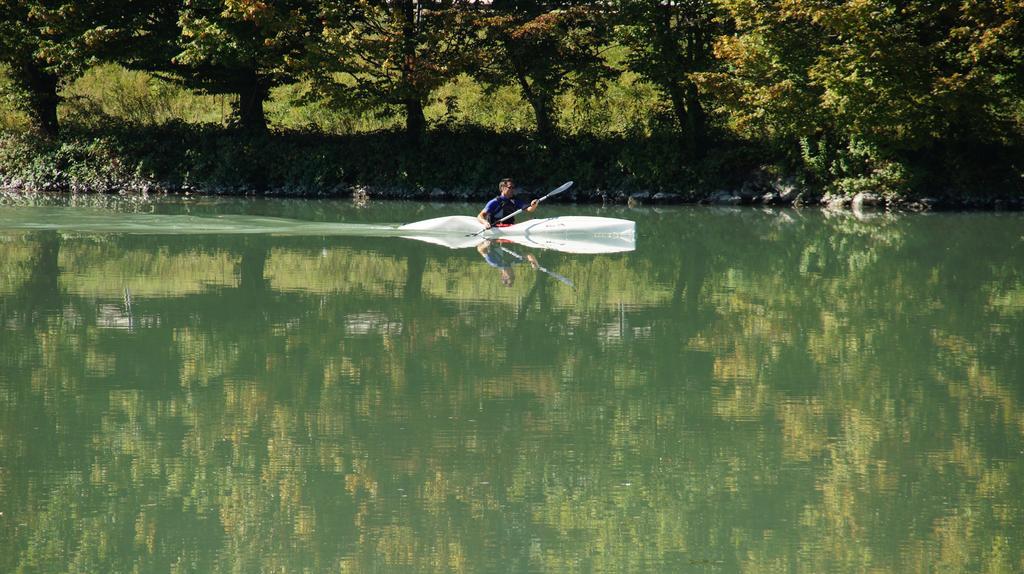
{"x": 573, "y": 234}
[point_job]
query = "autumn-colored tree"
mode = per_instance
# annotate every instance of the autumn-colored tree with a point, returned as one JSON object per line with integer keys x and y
{"x": 543, "y": 50}
{"x": 876, "y": 93}
{"x": 390, "y": 54}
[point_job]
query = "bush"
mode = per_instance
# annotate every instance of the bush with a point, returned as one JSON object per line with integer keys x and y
{"x": 117, "y": 157}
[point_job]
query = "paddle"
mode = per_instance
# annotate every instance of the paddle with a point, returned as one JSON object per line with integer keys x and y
{"x": 553, "y": 192}
{"x": 561, "y": 278}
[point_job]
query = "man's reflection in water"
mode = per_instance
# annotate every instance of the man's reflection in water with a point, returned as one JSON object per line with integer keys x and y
{"x": 502, "y": 259}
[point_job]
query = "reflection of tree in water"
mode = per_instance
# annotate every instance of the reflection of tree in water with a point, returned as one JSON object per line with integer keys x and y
{"x": 252, "y": 263}
{"x": 40, "y": 293}
{"x": 839, "y": 396}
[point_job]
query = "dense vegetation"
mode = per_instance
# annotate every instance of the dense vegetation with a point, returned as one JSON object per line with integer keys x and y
{"x": 902, "y": 100}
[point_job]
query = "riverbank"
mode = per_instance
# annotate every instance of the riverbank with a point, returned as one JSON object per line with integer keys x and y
{"x": 448, "y": 165}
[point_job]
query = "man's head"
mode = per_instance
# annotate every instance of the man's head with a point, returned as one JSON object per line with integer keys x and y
{"x": 507, "y": 277}
{"x": 507, "y": 187}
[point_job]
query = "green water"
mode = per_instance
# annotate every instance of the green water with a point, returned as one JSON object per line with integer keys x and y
{"x": 747, "y": 391}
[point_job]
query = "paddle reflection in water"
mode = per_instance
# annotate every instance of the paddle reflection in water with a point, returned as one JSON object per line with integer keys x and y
{"x": 536, "y": 265}
{"x": 503, "y": 258}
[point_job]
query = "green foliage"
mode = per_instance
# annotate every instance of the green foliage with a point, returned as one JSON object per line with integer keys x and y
{"x": 180, "y": 157}
{"x": 543, "y": 52}
{"x": 12, "y": 116}
{"x": 292, "y": 107}
{"x": 48, "y": 43}
{"x": 243, "y": 47}
{"x": 669, "y": 42}
{"x": 111, "y": 93}
{"x": 897, "y": 98}
{"x": 903, "y": 93}
{"x": 72, "y": 165}
{"x": 377, "y": 55}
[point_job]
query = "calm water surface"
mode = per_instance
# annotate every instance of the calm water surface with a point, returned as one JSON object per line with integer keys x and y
{"x": 748, "y": 391}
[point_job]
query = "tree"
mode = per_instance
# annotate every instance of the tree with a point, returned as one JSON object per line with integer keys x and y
{"x": 878, "y": 94}
{"x": 243, "y": 47}
{"x": 49, "y": 43}
{"x": 387, "y": 54}
{"x": 544, "y": 51}
{"x": 669, "y": 41}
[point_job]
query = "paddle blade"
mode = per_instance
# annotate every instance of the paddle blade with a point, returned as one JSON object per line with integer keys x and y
{"x": 559, "y": 189}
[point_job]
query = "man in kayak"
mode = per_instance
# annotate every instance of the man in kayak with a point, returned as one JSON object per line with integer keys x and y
{"x": 503, "y": 205}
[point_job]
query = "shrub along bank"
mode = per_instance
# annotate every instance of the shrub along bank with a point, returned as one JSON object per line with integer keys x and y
{"x": 449, "y": 163}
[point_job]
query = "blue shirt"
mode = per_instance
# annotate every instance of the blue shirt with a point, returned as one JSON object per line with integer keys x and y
{"x": 495, "y": 257}
{"x": 500, "y": 207}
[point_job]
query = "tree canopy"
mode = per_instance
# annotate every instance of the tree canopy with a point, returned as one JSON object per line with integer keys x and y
{"x": 543, "y": 52}
{"x": 848, "y": 96}
{"x": 388, "y": 55}
{"x": 865, "y": 92}
{"x": 244, "y": 47}
{"x": 48, "y": 43}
